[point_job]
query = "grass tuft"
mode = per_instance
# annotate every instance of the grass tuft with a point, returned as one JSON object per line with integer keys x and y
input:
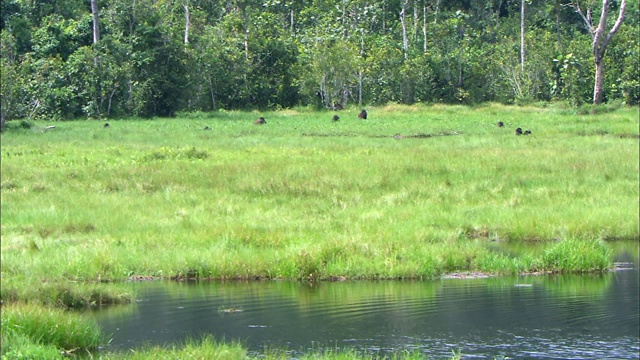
{"x": 33, "y": 331}
{"x": 578, "y": 256}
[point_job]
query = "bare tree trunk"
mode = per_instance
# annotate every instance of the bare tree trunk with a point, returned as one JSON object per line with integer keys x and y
{"x": 405, "y": 41}
{"x": 424, "y": 26}
{"x": 213, "y": 97}
{"x": 522, "y": 36}
{"x": 246, "y": 44}
{"x": 384, "y": 16}
{"x": 187, "y": 23}
{"x": 360, "y": 71}
{"x": 557, "y": 8}
{"x": 415, "y": 19}
{"x": 96, "y": 37}
{"x": 600, "y": 41}
{"x": 3, "y": 112}
{"x": 497, "y": 14}
{"x": 598, "y": 83}
{"x": 96, "y": 27}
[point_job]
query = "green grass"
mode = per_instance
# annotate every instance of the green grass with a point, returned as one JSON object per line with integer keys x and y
{"x": 413, "y": 192}
{"x": 36, "y": 332}
{"x": 305, "y": 197}
{"x": 208, "y": 348}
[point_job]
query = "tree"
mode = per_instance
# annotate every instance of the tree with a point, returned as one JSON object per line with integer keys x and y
{"x": 600, "y": 40}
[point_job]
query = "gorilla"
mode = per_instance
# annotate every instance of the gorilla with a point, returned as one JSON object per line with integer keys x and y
{"x": 336, "y": 117}
{"x": 362, "y": 115}
{"x": 519, "y": 131}
{"x": 260, "y": 121}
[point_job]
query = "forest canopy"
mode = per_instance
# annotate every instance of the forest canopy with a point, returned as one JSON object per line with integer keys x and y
{"x": 64, "y": 59}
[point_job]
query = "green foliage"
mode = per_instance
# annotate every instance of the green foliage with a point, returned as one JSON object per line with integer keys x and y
{"x": 278, "y": 54}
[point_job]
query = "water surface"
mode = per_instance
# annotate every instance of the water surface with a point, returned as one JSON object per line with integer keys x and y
{"x": 544, "y": 317}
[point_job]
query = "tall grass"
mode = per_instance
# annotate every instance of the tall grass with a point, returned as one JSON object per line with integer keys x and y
{"x": 36, "y": 332}
{"x": 574, "y": 255}
{"x": 413, "y": 192}
{"x": 208, "y": 348}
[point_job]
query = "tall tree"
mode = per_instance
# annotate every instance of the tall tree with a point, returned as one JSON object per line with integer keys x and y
{"x": 600, "y": 40}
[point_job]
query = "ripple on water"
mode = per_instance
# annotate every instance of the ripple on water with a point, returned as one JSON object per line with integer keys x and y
{"x": 542, "y": 317}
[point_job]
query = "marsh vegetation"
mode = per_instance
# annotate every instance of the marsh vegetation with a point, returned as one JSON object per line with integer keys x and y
{"x": 410, "y": 193}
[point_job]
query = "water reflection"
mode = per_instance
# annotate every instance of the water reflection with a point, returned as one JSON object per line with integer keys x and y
{"x": 521, "y": 317}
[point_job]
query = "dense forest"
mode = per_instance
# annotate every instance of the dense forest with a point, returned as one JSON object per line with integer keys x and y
{"x": 64, "y": 59}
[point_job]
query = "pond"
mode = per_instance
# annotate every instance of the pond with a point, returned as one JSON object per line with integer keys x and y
{"x": 543, "y": 317}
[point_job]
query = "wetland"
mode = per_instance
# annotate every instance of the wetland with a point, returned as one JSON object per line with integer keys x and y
{"x": 84, "y": 208}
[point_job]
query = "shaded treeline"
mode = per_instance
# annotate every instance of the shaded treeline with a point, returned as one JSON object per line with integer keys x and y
{"x": 159, "y": 57}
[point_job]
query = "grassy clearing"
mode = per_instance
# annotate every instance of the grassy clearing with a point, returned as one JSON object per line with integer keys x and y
{"x": 413, "y": 192}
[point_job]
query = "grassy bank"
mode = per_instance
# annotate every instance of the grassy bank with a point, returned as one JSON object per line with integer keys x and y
{"x": 35, "y": 332}
{"x": 412, "y": 192}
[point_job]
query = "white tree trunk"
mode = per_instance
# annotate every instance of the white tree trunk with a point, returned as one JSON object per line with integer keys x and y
{"x": 96, "y": 27}
{"x": 405, "y": 41}
{"x": 187, "y": 23}
{"x": 522, "y": 36}
{"x": 291, "y": 21}
{"x": 424, "y": 27}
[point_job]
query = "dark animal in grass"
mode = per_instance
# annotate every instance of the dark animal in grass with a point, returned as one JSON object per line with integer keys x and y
{"x": 527, "y": 132}
{"x": 337, "y": 106}
{"x": 519, "y": 131}
{"x": 500, "y": 124}
{"x": 362, "y": 115}
{"x": 106, "y": 125}
{"x": 336, "y": 117}
{"x": 260, "y": 121}
{"x": 206, "y": 128}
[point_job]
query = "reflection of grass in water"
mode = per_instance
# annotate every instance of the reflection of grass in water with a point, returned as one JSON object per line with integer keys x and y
{"x": 626, "y": 251}
{"x": 585, "y": 286}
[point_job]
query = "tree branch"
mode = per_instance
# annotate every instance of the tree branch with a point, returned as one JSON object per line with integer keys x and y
{"x": 586, "y": 19}
{"x": 598, "y": 48}
{"x": 618, "y": 23}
